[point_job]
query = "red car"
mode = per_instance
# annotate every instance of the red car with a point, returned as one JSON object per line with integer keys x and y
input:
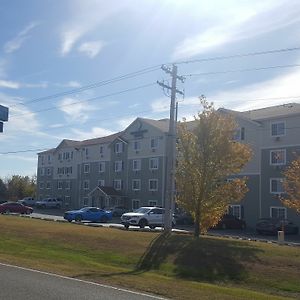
{"x": 15, "y": 207}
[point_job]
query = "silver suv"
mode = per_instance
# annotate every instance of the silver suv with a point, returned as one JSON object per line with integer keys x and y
{"x": 49, "y": 203}
{"x": 145, "y": 216}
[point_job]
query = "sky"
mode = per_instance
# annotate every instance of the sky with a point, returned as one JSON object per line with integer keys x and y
{"x": 50, "y": 51}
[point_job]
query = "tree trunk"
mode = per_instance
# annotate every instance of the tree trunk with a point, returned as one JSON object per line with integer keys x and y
{"x": 197, "y": 223}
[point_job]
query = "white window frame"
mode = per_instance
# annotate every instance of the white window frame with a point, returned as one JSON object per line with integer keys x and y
{"x": 119, "y": 187}
{"x": 118, "y": 147}
{"x": 280, "y": 181}
{"x": 86, "y": 168}
{"x": 278, "y": 208}
{"x": 280, "y": 163}
{"x": 156, "y": 144}
{"x": 68, "y": 185}
{"x": 134, "y": 202}
{"x": 153, "y": 159}
{"x": 86, "y": 184}
{"x": 153, "y": 180}
{"x": 118, "y": 165}
{"x": 138, "y": 144}
{"x": 152, "y": 202}
{"x": 139, "y": 164}
{"x": 101, "y": 182}
{"x": 48, "y": 171}
{"x": 276, "y": 123}
{"x": 59, "y": 185}
{"x": 67, "y": 200}
{"x": 239, "y": 207}
{"x": 139, "y": 184}
{"x": 101, "y": 166}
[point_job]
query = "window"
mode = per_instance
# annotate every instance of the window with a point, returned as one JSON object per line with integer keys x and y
{"x": 59, "y": 156}
{"x": 152, "y": 203}
{"x": 278, "y": 129}
{"x": 153, "y": 163}
{"x": 277, "y": 157}
{"x": 41, "y": 185}
{"x": 136, "y": 184}
{"x": 67, "y": 200}
{"x": 136, "y": 145}
{"x": 153, "y": 185}
{"x": 136, "y": 165}
{"x": 42, "y": 171}
{"x": 86, "y": 184}
{"x": 42, "y": 159}
{"x": 235, "y": 210}
{"x": 101, "y": 149}
{"x": 154, "y": 143}
{"x": 118, "y": 147}
{"x": 101, "y": 182}
{"x": 68, "y": 184}
{"x": 101, "y": 166}
{"x": 68, "y": 170}
{"x": 135, "y": 204}
{"x": 118, "y": 165}
{"x": 85, "y": 201}
{"x": 278, "y": 212}
{"x": 86, "y": 151}
{"x": 59, "y": 185}
{"x": 48, "y": 171}
{"x": 48, "y": 185}
{"x": 239, "y": 134}
{"x": 276, "y": 186}
{"x": 49, "y": 158}
{"x": 118, "y": 184}
{"x": 86, "y": 168}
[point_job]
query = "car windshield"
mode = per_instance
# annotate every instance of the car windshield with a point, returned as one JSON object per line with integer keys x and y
{"x": 142, "y": 210}
{"x": 84, "y": 208}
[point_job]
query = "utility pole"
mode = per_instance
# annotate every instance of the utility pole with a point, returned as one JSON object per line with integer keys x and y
{"x": 171, "y": 146}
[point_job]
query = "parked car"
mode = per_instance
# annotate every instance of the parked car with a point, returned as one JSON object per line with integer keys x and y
{"x": 145, "y": 216}
{"x": 272, "y": 226}
{"x": 93, "y": 214}
{"x": 118, "y": 211}
{"x": 49, "y": 203}
{"x": 29, "y": 201}
{"x": 15, "y": 207}
{"x": 183, "y": 218}
{"x": 230, "y": 222}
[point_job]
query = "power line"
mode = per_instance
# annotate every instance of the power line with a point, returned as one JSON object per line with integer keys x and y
{"x": 238, "y": 55}
{"x": 88, "y": 100}
{"x": 243, "y": 70}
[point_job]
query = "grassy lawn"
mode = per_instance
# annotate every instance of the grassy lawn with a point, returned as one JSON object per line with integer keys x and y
{"x": 174, "y": 266}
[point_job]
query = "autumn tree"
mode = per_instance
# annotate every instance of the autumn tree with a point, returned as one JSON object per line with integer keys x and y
{"x": 19, "y": 187}
{"x": 291, "y": 185}
{"x": 3, "y": 190}
{"x": 207, "y": 157}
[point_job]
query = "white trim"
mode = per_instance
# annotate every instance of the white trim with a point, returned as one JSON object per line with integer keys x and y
{"x": 118, "y": 165}
{"x": 278, "y": 164}
{"x": 280, "y": 147}
{"x": 277, "y": 179}
{"x": 153, "y": 159}
{"x": 153, "y": 190}
{"x": 152, "y": 201}
{"x": 89, "y": 168}
{"x": 59, "y": 185}
{"x": 139, "y": 162}
{"x": 102, "y": 163}
{"x": 117, "y": 180}
{"x": 102, "y": 181}
{"x": 86, "y": 181}
{"x": 278, "y": 207}
{"x": 277, "y": 122}
{"x": 239, "y": 207}
{"x": 132, "y": 185}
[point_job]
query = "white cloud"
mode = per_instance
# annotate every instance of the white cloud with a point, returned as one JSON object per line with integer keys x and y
{"x": 17, "y": 42}
{"x": 91, "y": 49}
{"x": 160, "y": 105}
{"x": 123, "y": 123}
{"x": 9, "y": 84}
{"x": 240, "y": 22}
{"x": 18, "y": 85}
{"x": 94, "y": 133}
{"x": 69, "y": 38}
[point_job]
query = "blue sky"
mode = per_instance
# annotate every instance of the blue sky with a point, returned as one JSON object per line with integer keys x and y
{"x": 49, "y": 47}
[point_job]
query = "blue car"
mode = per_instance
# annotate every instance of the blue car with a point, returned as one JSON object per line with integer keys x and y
{"x": 93, "y": 214}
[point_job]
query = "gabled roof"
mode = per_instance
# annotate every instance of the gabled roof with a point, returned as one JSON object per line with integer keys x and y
{"x": 101, "y": 140}
{"x": 237, "y": 114}
{"x": 107, "y": 190}
{"x": 162, "y": 124}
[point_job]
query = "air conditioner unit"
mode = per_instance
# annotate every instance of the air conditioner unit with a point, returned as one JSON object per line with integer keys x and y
{"x": 153, "y": 149}
{"x": 137, "y": 151}
{"x": 277, "y": 138}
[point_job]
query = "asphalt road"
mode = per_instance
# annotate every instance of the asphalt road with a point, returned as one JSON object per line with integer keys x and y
{"x": 18, "y": 283}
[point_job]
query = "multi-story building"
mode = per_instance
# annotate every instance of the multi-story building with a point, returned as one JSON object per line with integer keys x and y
{"x": 128, "y": 168}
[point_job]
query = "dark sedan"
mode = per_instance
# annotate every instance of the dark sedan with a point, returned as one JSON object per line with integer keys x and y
{"x": 272, "y": 226}
{"x": 15, "y": 207}
{"x": 230, "y": 222}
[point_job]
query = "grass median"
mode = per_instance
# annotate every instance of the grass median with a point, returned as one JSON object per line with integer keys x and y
{"x": 174, "y": 266}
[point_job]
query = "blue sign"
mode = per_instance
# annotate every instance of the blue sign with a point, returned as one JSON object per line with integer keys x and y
{"x": 3, "y": 113}
{"x": 1, "y": 127}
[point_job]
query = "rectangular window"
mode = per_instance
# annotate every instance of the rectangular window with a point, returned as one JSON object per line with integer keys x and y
{"x": 118, "y": 147}
{"x": 152, "y": 203}
{"x": 42, "y": 159}
{"x": 118, "y": 165}
{"x": 42, "y": 171}
{"x": 136, "y": 184}
{"x": 41, "y": 185}
{"x": 235, "y": 210}
{"x": 68, "y": 184}
{"x": 85, "y": 201}
{"x": 278, "y": 128}
{"x": 276, "y": 186}
{"x": 118, "y": 184}
{"x": 101, "y": 182}
{"x": 86, "y": 168}
{"x": 278, "y": 212}
{"x": 86, "y": 184}
{"x": 48, "y": 171}
{"x": 48, "y": 185}
{"x": 86, "y": 151}
{"x": 59, "y": 185}
{"x": 136, "y": 145}
{"x": 154, "y": 143}
{"x": 239, "y": 134}
{"x": 101, "y": 149}
{"x": 68, "y": 170}
{"x": 49, "y": 158}
{"x": 136, "y": 165}
{"x": 135, "y": 204}
{"x": 153, "y": 185}
{"x": 59, "y": 156}
{"x": 67, "y": 200}
{"x": 153, "y": 163}
{"x": 277, "y": 157}
{"x": 101, "y": 166}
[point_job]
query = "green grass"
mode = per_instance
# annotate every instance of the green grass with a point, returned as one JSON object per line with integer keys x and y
{"x": 175, "y": 266}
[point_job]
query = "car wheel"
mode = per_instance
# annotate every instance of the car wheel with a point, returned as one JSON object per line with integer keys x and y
{"x": 143, "y": 223}
{"x": 28, "y": 212}
{"x": 126, "y": 226}
{"x": 69, "y": 220}
{"x": 78, "y": 218}
{"x": 152, "y": 226}
{"x": 224, "y": 226}
{"x": 7, "y": 211}
{"x": 104, "y": 219}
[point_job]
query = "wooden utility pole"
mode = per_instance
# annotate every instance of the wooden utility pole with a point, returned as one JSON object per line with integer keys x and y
{"x": 171, "y": 147}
